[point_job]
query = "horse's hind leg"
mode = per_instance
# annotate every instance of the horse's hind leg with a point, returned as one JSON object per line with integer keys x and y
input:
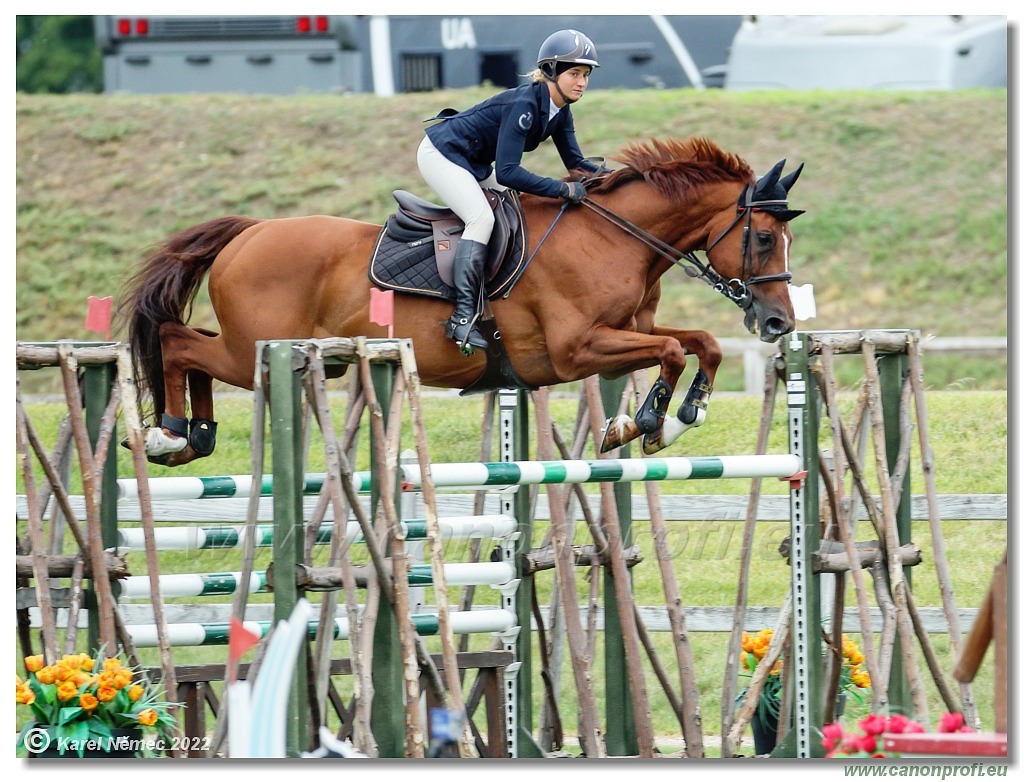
{"x": 187, "y": 355}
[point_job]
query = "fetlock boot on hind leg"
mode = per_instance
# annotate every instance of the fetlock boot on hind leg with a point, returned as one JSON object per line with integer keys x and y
{"x": 202, "y": 436}
{"x": 168, "y": 438}
{"x": 467, "y": 274}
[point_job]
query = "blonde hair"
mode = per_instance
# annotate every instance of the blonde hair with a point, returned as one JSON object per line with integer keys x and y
{"x": 536, "y": 75}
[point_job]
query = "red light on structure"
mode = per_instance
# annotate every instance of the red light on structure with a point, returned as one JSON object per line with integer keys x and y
{"x": 322, "y": 24}
{"x": 302, "y": 24}
{"x": 124, "y": 26}
{"x": 142, "y": 26}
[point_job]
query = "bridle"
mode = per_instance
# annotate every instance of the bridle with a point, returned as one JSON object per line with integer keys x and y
{"x": 736, "y": 289}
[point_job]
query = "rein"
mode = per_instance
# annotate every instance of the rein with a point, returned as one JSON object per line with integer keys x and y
{"x": 735, "y": 289}
{"x": 547, "y": 233}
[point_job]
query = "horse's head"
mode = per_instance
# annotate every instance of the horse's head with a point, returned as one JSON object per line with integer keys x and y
{"x": 751, "y": 252}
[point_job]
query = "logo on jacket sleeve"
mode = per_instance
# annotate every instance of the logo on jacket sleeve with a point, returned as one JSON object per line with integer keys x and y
{"x": 526, "y": 120}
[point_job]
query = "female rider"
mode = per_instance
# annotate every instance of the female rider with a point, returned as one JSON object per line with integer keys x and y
{"x": 483, "y": 147}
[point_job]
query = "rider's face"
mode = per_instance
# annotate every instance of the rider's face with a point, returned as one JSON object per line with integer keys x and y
{"x": 573, "y": 82}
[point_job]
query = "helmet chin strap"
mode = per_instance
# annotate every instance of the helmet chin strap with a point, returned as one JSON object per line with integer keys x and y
{"x": 558, "y": 88}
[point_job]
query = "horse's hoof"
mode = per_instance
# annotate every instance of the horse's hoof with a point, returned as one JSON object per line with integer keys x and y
{"x": 617, "y": 432}
{"x": 182, "y": 457}
{"x": 652, "y": 443}
{"x": 162, "y": 460}
{"x": 175, "y": 459}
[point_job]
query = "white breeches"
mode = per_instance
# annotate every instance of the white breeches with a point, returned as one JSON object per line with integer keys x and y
{"x": 459, "y": 190}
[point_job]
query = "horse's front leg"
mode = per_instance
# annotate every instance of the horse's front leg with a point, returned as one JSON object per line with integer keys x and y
{"x": 647, "y": 421}
{"x": 658, "y": 429}
{"x": 613, "y": 353}
{"x": 693, "y": 410}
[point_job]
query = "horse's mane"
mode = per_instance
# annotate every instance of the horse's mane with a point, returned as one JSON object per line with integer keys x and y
{"x": 675, "y": 167}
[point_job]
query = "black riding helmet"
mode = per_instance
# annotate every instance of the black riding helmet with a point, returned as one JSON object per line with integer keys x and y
{"x": 569, "y": 47}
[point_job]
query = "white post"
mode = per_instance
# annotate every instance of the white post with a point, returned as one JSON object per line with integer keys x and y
{"x": 380, "y": 56}
{"x": 675, "y": 43}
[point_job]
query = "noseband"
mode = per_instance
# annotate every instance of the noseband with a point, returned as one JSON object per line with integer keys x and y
{"x": 737, "y": 289}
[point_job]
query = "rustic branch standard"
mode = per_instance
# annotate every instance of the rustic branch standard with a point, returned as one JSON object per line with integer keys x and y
{"x": 889, "y": 385}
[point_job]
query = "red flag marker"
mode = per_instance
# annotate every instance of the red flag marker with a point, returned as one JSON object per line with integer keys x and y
{"x": 97, "y": 317}
{"x": 240, "y": 640}
{"x": 382, "y": 309}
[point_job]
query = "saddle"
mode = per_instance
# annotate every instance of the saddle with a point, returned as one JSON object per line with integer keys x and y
{"x": 415, "y": 250}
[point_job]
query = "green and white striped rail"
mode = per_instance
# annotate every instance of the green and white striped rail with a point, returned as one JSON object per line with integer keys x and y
{"x": 496, "y": 474}
{"x": 192, "y": 584}
{"x": 496, "y": 620}
{"x": 204, "y": 584}
{"x": 233, "y": 536}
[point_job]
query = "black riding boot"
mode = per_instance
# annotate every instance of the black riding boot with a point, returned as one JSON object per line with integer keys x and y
{"x": 467, "y": 274}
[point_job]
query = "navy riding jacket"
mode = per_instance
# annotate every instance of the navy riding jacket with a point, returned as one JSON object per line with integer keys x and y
{"x": 499, "y": 130}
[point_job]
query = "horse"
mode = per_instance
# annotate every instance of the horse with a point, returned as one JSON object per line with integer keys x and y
{"x": 585, "y": 305}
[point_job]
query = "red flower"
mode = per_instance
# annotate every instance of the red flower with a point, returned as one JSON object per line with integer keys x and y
{"x": 867, "y": 744}
{"x": 833, "y": 735}
{"x": 950, "y": 723}
{"x": 954, "y": 723}
{"x": 898, "y": 723}
{"x": 873, "y": 725}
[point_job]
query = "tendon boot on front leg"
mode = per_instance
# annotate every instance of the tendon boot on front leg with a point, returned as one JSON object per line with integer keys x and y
{"x": 467, "y": 274}
{"x": 694, "y": 408}
{"x": 692, "y": 412}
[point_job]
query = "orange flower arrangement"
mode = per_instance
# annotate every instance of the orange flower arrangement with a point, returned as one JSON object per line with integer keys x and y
{"x": 754, "y": 648}
{"x": 79, "y": 698}
{"x": 852, "y": 679}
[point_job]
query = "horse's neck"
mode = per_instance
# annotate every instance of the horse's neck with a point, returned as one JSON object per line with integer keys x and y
{"x": 684, "y": 224}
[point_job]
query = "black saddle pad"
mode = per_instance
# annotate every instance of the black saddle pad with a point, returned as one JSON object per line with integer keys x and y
{"x": 408, "y": 267}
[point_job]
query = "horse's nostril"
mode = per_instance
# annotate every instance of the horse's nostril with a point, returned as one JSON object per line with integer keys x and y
{"x": 776, "y": 326}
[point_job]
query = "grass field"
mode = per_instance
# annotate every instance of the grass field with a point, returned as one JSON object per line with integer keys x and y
{"x": 705, "y": 555}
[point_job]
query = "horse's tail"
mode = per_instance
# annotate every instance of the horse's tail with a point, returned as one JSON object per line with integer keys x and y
{"x": 162, "y": 289}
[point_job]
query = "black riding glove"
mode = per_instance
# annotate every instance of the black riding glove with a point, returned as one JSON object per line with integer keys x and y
{"x": 573, "y": 191}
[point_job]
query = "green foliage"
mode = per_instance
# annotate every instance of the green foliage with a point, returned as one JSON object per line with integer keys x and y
{"x": 57, "y": 54}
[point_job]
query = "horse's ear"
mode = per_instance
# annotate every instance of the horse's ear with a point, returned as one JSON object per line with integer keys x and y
{"x": 790, "y": 179}
{"x": 766, "y": 184}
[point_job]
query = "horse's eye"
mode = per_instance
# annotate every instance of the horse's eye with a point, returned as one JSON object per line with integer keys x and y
{"x": 765, "y": 240}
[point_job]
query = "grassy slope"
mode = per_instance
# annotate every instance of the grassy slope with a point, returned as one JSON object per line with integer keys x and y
{"x": 905, "y": 192}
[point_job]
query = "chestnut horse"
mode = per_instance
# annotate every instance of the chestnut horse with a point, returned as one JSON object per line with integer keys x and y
{"x": 585, "y": 305}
